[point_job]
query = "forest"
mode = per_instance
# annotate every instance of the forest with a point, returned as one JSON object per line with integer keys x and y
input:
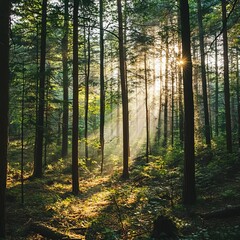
{"x": 120, "y": 119}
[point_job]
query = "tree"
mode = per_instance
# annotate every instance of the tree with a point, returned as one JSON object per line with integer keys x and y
{"x": 203, "y": 73}
{"x": 4, "y": 105}
{"x": 238, "y": 94}
{"x": 40, "y": 117}
{"x": 65, "y": 81}
{"x": 87, "y": 56}
{"x": 189, "y": 193}
{"x": 216, "y": 90}
{"x": 75, "y": 180}
{"x": 146, "y": 106}
{"x": 122, "y": 58}
{"x": 165, "y": 134}
{"x": 226, "y": 79}
{"x": 102, "y": 88}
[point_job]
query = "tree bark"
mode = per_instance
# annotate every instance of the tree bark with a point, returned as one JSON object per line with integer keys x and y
{"x": 40, "y": 117}
{"x": 160, "y": 99}
{"x": 146, "y": 107}
{"x": 22, "y": 132}
{"x": 216, "y": 89}
{"x": 226, "y": 80}
{"x": 87, "y": 74}
{"x": 238, "y": 95}
{"x": 122, "y": 58}
{"x": 65, "y": 81}
{"x": 189, "y": 193}
{"x": 102, "y": 88}
{"x": 172, "y": 123}
{"x": 4, "y": 105}
{"x": 204, "y": 78}
{"x": 165, "y": 128}
{"x": 75, "y": 180}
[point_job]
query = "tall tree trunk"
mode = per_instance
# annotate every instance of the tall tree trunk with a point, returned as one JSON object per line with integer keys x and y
{"x": 118, "y": 105}
{"x": 146, "y": 107}
{"x": 65, "y": 81}
{"x": 203, "y": 73}
{"x": 102, "y": 88}
{"x": 189, "y": 193}
{"x": 87, "y": 73}
{"x": 125, "y": 57}
{"x": 46, "y": 125}
{"x": 75, "y": 180}
{"x": 111, "y": 88}
{"x": 37, "y": 85}
{"x": 208, "y": 71}
{"x": 122, "y": 58}
{"x": 165, "y": 134}
{"x": 226, "y": 80}
{"x": 40, "y": 118}
{"x": 4, "y": 105}
{"x": 160, "y": 99}
{"x": 197, "y": 113}
{"x": 216, "y": 90}
{"x": 238, "y": 95}
{"x": 172, "y": 124}
{"x": 22, "y": 133}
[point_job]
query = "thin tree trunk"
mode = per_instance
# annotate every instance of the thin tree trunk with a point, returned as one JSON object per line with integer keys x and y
{"x": 238, "y": 97}
{"x": 40, "y": 120}
{"x": 102, "y": 88}
{"x": 165, "y": 133}
{"x": 216, "y": 90}
{"x": 75, "y": 180}
{"x": 37, "y": 87}
{"x": 172, "y": 140}
{"x": 22, "y": 133}
{"x": 46, "y": 122}
{"x": 226, "y": 80}
{"x": 65, "y": 81}
{"x": 160, "y": 100}
{"x": 4, "y": 106}
{"x": 208, "y": 69}
{"x": 196, "y": 89}
{"x": 111, "y": 88}
{"x": 87, "y": 73}
{"x": 125, "y": 57}
{"x": 122, "y": 58}
{"x": 189, "y": 193}
{"x": 203, "y": 73}
{"x": 118, "y": 106}
{"x": 146, "y": 107}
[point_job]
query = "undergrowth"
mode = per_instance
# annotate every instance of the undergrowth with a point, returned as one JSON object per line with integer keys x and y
{"x": 109, "y": 208}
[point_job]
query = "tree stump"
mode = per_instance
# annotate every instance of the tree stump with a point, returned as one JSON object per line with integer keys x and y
{"x": 164, "y": 228}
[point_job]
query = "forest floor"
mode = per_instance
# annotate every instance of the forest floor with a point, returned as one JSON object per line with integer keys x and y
{"x": 108, "y": 207}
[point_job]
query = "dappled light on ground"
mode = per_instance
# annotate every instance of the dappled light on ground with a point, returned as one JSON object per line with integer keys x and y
{"x": 109, "y": 208}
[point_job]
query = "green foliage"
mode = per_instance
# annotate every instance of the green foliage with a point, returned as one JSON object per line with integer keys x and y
{"x": 223, "y": 233}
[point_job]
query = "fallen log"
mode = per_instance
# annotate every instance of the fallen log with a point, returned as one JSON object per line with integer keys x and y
{"x": 229, "y": 211}
{"x": 47, "y": 231}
